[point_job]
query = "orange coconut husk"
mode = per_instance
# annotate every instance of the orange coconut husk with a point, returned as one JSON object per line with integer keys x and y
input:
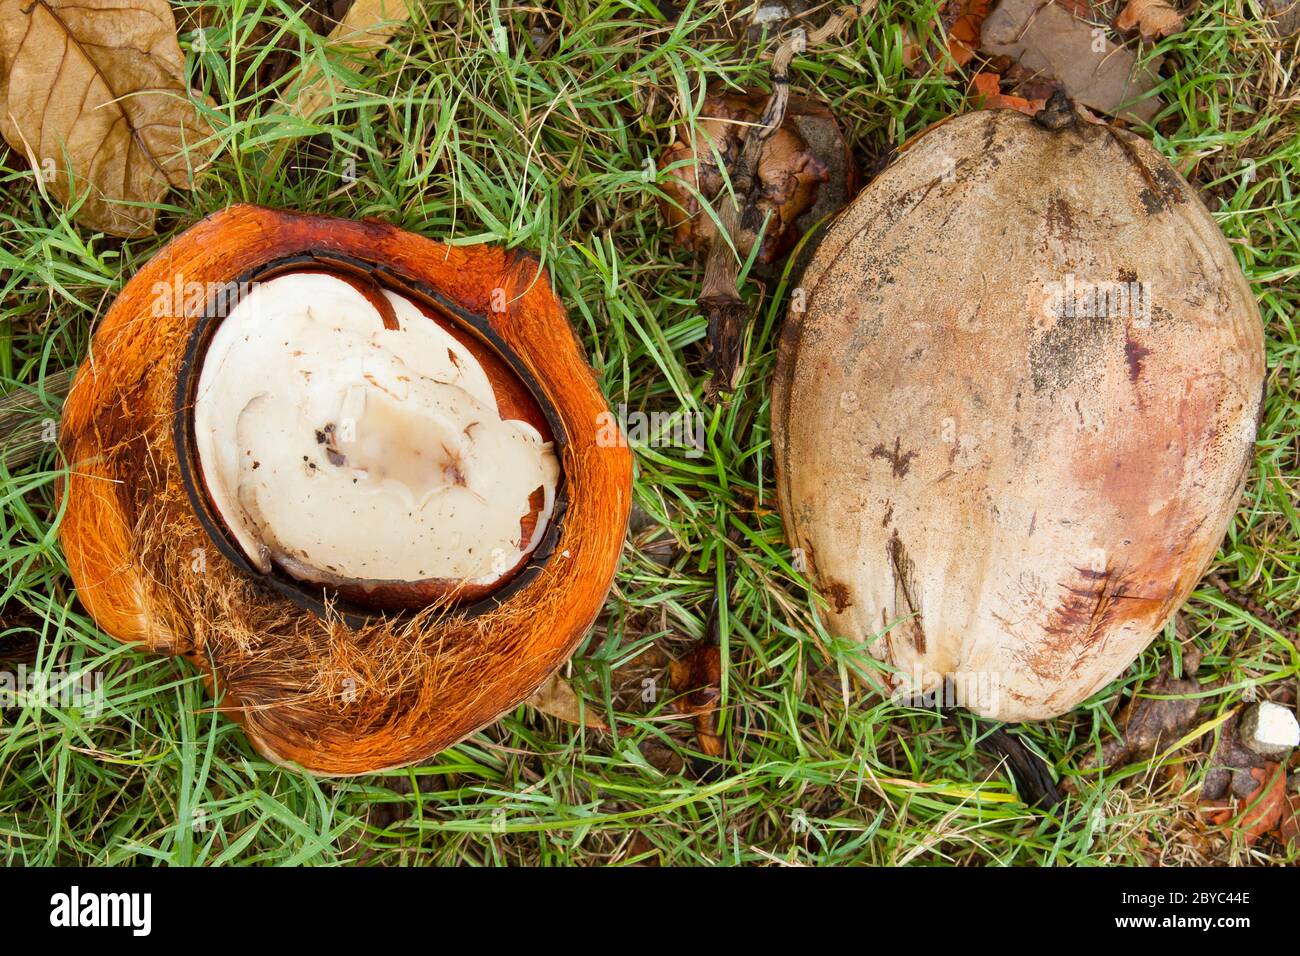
{"x": 312, "y": 682}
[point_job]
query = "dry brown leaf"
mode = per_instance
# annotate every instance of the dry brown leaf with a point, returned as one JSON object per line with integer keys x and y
{"x": 93, "y": 93}
{"x": 365, "y": 30}
{"x": 1259, "y": 811}
{"x": 987, "y": 93}
{"x": 1154, "y": 18}
{"x": 1030, "y": 85}
{"x": 1154, "y": 719}
{"x": 698, "y": 678}
{"x": 960, "y": 21}
{"x": 964, "y": 30}
{"x": 1048, "y": 41}
{"x": 1264, "y": 807}
{"x": 557, "y": 698}
{"x": 662, "y": 757}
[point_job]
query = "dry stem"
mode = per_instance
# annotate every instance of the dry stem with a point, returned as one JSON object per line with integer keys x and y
{"x": 739, "y": 216}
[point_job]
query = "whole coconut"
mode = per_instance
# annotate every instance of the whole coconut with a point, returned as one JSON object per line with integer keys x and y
{"x": 1014, "y": 409}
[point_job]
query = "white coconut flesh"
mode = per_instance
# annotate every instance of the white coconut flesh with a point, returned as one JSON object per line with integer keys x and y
{"x": 344, "y": 451}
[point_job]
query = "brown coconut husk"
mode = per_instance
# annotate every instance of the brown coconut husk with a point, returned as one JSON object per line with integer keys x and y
{"x": 993, "y": 486}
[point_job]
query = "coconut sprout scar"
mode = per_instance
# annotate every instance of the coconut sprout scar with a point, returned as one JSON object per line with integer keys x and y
{"x": 354, "y": 440}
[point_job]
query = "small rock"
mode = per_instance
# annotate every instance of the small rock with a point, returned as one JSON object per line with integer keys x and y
{"x": 1243, "y": 783}
{"x": 1229, "y": 756}
{"x": 1269, "y": 729}
{"x": 771, "y": 13}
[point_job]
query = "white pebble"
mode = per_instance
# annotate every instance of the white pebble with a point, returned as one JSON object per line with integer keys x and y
{"x": 1269, "y": 729}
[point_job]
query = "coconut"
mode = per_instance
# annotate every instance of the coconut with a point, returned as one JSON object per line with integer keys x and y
{"x": 353, "y": 475}
{"x": 1014, "y": 409}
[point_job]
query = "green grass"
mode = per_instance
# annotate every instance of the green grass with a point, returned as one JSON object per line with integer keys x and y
{"x": 546, "y": 150}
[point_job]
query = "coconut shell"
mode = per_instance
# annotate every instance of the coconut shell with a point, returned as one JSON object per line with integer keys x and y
{"x": 332, "y": 690}
{"x": 1004, "y": 499}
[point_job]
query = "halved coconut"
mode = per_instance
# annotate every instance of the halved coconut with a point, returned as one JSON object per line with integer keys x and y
{"x": 1015, "y": 418}
{"x": 370, "y": 501}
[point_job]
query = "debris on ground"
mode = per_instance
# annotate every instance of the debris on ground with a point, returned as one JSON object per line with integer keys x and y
{"x": 698, "y": 678}
{"x": 1256, "y": 806}
{"x": 1048, "y": 41}
{"x": 987, "y": 92}
{"x": 1288, "y": 831}
{"x": 959, "y": 21}
{"x": 1283, "y": 16}
{"x": 1152, "y": 18}
{"x": 1230, "y": 763}
{"x": 557, "y": 698}
{"x": 1244, "y": 790}
{"x": 1155, "y": 718}
{"x": 662, "y": 757}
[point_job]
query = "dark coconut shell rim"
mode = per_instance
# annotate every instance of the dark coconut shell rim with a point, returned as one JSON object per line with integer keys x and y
{"x": 317, "y": 599}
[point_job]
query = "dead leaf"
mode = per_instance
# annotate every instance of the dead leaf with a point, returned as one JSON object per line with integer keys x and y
{"x": 964, "y": 29}
{"x": 1031, "y": 86}
{"x": 1261, "y": 810}
{"x": 557, "y": 698}
{"x": 1154, "y": 719}
{"x": 698, "y": 678}
{"x": 364, "y": 32}
{"x": 662, "y": 757}
{"x": 960, "y": 20}
{"x": 93, "y": 93}
{"x": 912, "y": 51}
{"x": 1153, "y": 18}
{"x": 1242, "y": 787}
{"x": 635, "y": 686}
{"x": 987, "y": 92}
{"x": 1048, "y": 41}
